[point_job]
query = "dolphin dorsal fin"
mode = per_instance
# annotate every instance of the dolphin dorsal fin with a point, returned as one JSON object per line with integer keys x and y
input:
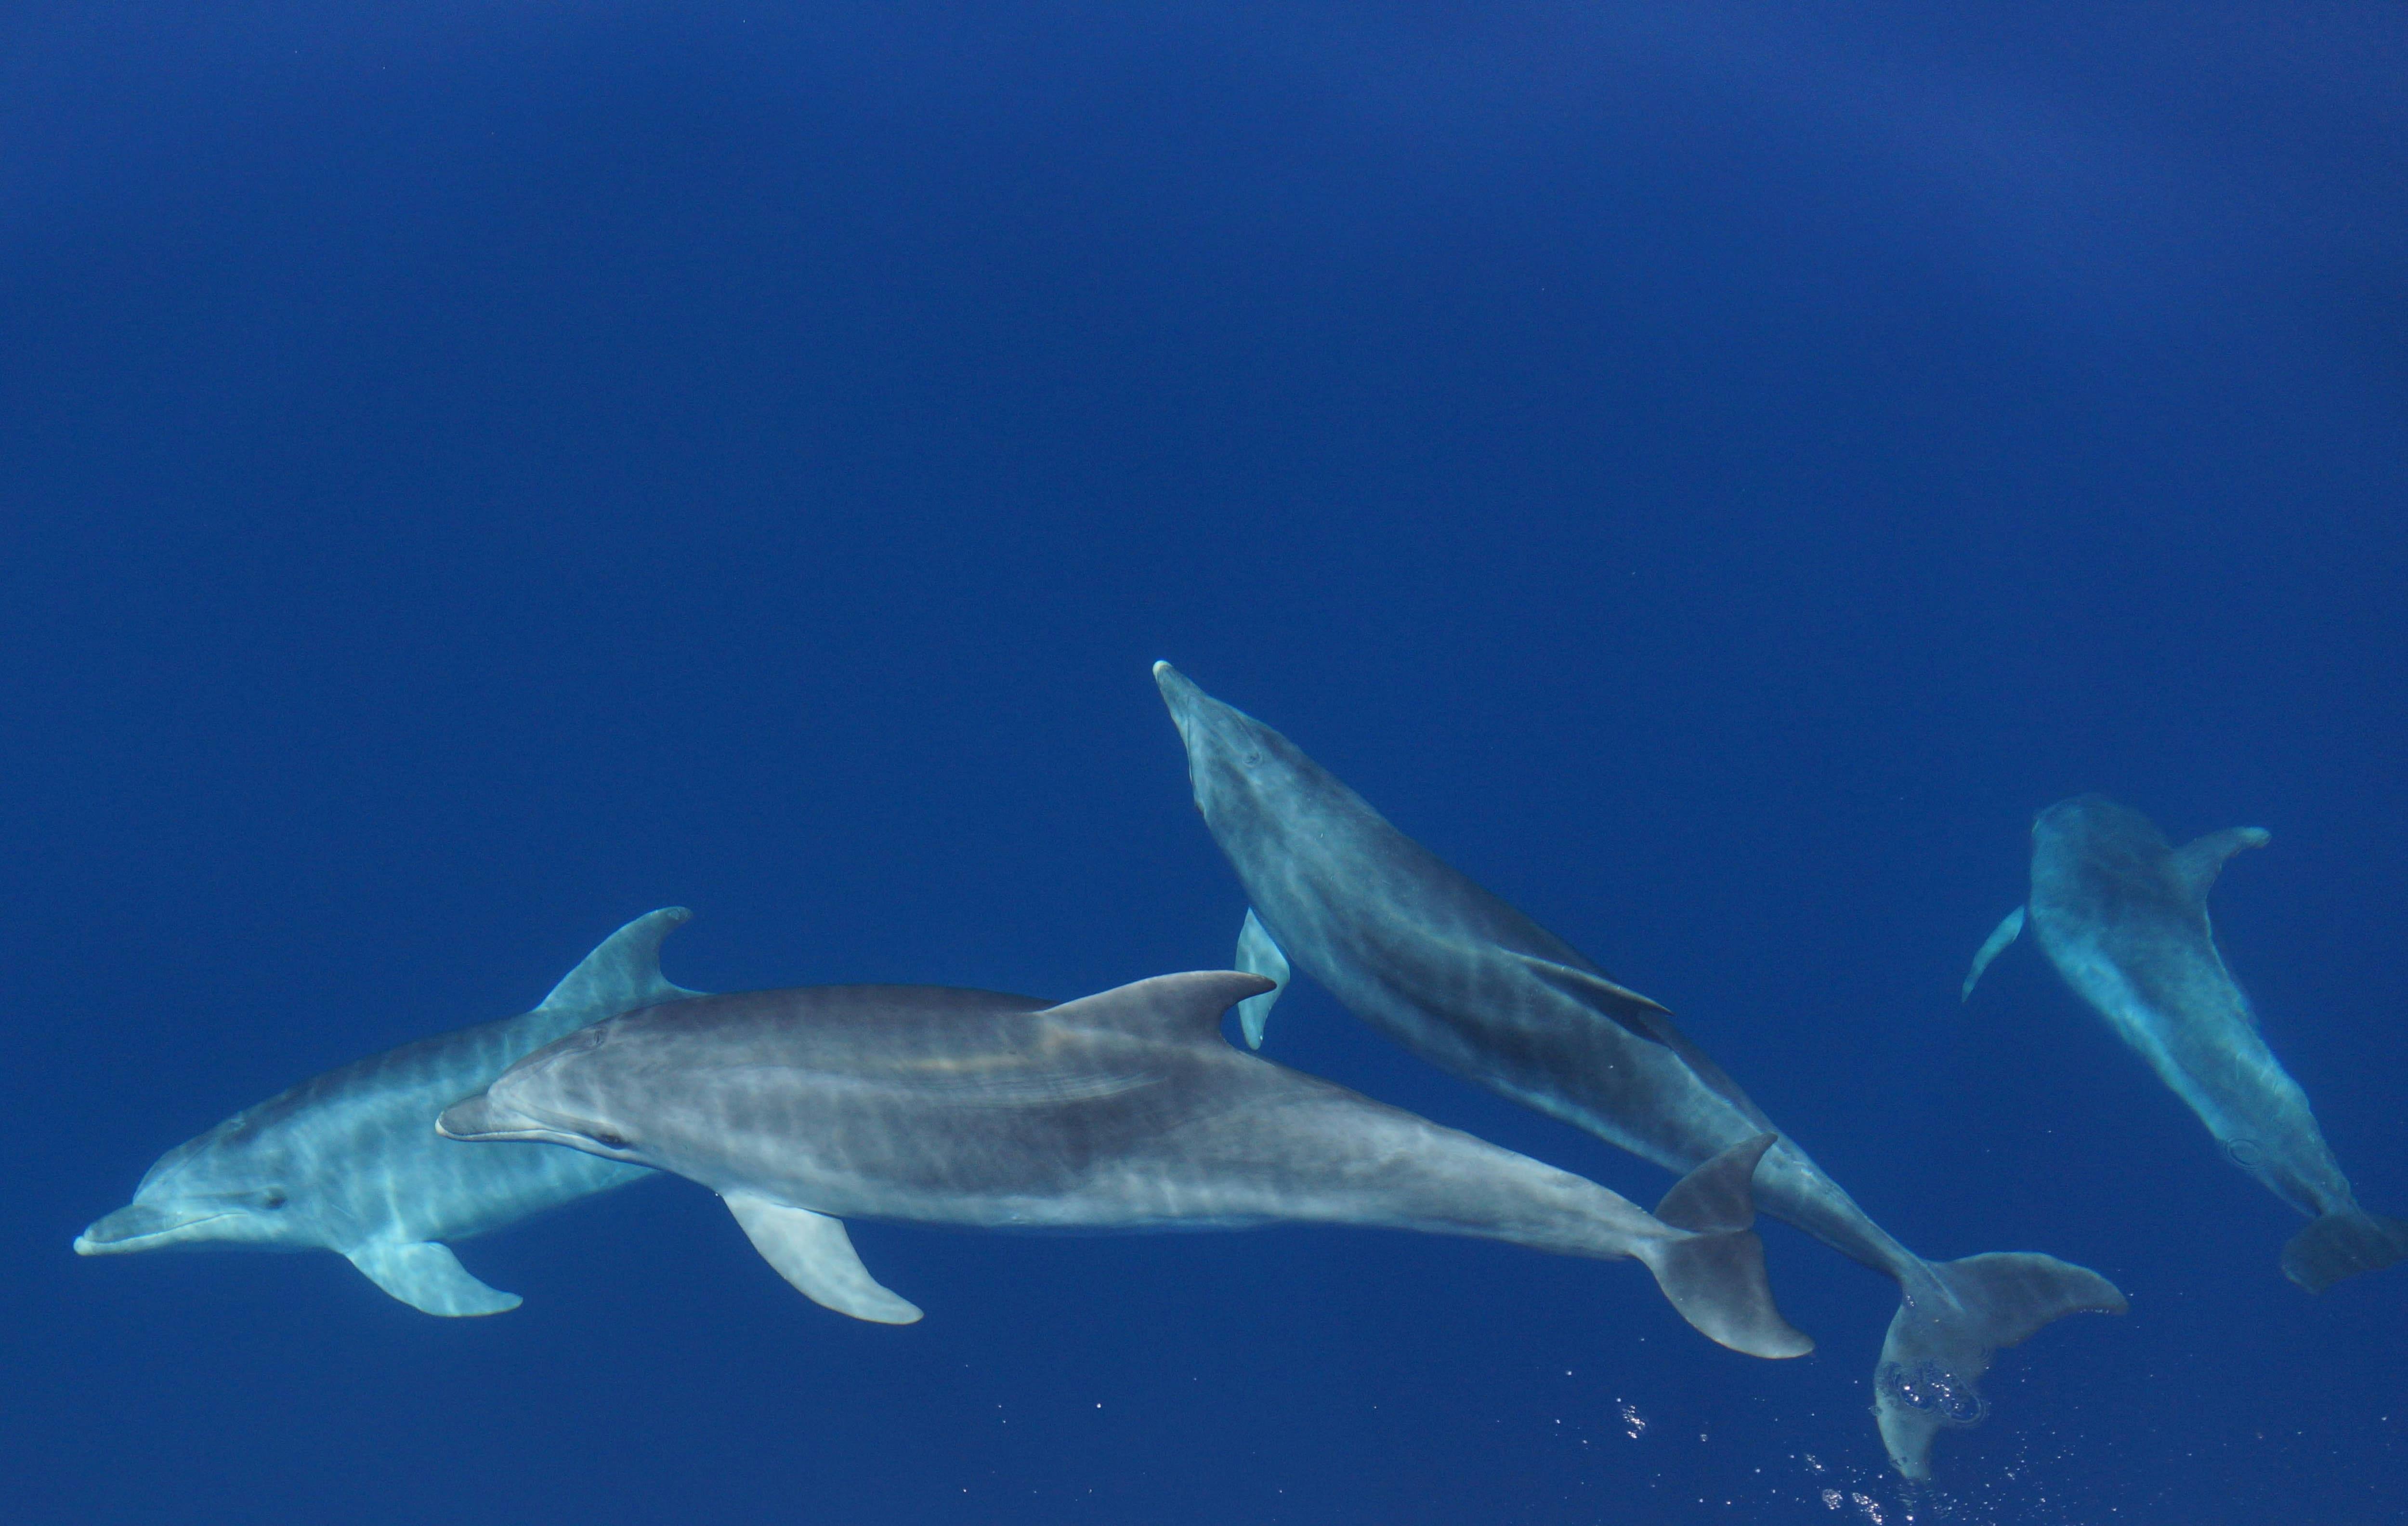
{"x": 2198, "y": 862}
{"x": 1257, "y": 954}
{"x": 1168, "y": 1006}
{"x": 623, "y": 973}
{"x": 1591, "y": 987}
{"x": 1649, "y": 1020}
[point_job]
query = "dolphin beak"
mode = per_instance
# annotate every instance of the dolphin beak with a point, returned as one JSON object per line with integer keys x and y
{"x": 478, "y": 1117}
{"x": 142, "y": 1226}
{"x": 482, "y": 1117}
{"x": 1178, "y": 693}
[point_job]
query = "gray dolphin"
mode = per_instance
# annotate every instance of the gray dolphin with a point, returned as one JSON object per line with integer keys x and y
{"x": 1467, "y": 983}
{"x": 349, "y": 1160}
{"x": 1125, "y": 1110}
{"x": 2123, "y": 915}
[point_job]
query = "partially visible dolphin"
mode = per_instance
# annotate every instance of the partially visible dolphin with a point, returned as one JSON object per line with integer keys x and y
{"x": 1467, "y": 983}
{"x": 1125, "y": 1110}
{"x": 349, "y": 1160}
{"x": 2123, "y": 915}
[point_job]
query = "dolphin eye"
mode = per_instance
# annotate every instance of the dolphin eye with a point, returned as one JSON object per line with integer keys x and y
{"x": 1254, "y": 759}
{"x": 608, "y": 1140}
{"x": 272, "y": 1198}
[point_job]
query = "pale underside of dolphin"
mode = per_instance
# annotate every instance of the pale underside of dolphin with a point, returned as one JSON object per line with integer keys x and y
{"x": 1122, "y": 1111}
{"x": 349, "y": 1162}
{"x": 1454, "y": 974}
{"x": 2122, "y": 914}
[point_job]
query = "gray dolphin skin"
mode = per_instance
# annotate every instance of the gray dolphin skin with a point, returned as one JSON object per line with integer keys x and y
{"x": 1122, "y": 1111}
{"x": 349, "y": 1162}
{"x": 2123, "y": 917}
{"x": 1460, "y": 978}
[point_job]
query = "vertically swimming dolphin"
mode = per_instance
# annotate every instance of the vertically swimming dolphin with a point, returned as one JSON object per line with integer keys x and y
{"x": 805, "y": 1108}
{"x": 349, "y": 1160}
{"x": 1465, "y": 981}
{"x": 2123, "y": 915}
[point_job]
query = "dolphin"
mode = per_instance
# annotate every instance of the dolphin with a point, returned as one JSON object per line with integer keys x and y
{"x": 1120, "y": 1111}
{"x": 1467, "y": 983}
{"x": 349, "y": 1160}
{"x": 2123, "y": 915}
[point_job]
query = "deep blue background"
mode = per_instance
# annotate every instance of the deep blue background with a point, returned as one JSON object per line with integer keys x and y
{"x": 474, "y": 470}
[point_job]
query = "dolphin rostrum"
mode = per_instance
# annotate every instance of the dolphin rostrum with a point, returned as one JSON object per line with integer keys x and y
{"x": 1467, "y": 983}
{"x": 349, "y": 1160}
{"x": 1125, "y": 1110}
{"x": 2123, "y": 915}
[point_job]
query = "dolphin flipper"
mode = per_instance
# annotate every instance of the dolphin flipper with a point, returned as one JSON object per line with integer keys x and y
{"x": 2006, "y": 932}
{"x": 1940, "y": 1340}
{"x": 812, "y": 1251}
{"x": 428, "y": 1278}
{"x": 1258, "y": 955}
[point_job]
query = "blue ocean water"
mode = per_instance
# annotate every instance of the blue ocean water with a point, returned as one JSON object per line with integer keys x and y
{"x": 472, "y": 472}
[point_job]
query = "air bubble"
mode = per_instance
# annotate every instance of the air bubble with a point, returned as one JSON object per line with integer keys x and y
{"x": 1934, "y": 1390}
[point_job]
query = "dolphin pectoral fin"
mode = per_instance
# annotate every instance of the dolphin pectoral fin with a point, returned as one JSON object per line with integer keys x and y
{"x": 429, "y": 1278}
{"x": 812, "y": 1251}
{"x": 2198, "y": 862}
{"x": 1258, "y": 955}
{"x": 2006, "y": 932}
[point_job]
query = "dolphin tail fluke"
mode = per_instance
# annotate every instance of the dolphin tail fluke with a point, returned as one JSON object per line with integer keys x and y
{"x": 1714, "y": 1277}
{"x": 1941, "y": 1338}
{"x": 1717, "y": 1284}
{"x": 2342, "y": 1245}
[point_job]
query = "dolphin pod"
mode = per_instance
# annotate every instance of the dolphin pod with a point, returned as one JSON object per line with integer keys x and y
{"x": 1124, "y": 1111}
{"x": 806, "y": 1108}
{"x": 1460, "y": 978}
{"x": 347, "y": 1162}
{"x": 2122, "y": 914}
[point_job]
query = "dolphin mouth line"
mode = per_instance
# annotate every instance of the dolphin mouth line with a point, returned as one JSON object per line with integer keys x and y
{"x": 481, "y": 1117}
{"x": 86, "y": 1245}
{"x": 480, "y": 1120}
{"x": 474, "y": 1136}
